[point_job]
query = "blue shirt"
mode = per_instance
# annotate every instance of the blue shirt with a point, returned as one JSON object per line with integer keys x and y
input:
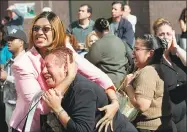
{"x": 5, "y": 54}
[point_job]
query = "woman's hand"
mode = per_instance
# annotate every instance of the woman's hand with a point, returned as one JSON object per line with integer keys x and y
{"x": 71, "y": 73}
{"x": 174, "y": 44}
{"x": 53, "y": 99}
{"x": 110, "y": 111}
{"x": 128, "y": 80}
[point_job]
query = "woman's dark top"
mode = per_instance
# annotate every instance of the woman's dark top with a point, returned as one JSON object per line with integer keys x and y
{"x": 82, "y": 101}
{"x": 175, "y": 82}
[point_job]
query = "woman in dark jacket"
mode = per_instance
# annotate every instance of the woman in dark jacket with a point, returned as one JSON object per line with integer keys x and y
{"x": 174, "y": 72}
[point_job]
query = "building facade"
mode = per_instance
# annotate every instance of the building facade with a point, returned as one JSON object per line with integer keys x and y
{"x": 146, "y": 11}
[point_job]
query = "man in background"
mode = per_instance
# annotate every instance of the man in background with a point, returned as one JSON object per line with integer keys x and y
{"x": 131, "y": 18}
{"x": 119, "y": 26}
{"x": 16, "y": 18}
{"x": 82, "y": 27}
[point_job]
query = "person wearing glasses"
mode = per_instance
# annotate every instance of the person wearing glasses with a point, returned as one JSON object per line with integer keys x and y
{"x": 47, "y": 33}
{"x": 174, "y": 68}
{"x": 145, "y": 87}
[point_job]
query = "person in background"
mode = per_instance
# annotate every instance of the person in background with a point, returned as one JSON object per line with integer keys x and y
{"x": 182, "y": 23}
{"x": 16, "y": 19}
{"x": 85, "y": 97}
{"x": 5, "y": 54}
{"x": 82, "y": 27}
{"x": 145, "y": 87}
{"x": 174, "y": 71}
{"x": 108, "y": 53}
{"x": 91, "y": 38}
{"x": 16, "y": 43}
{"x": 5, "y": 20}
{"x": 131, "y": 18}
{"x": 46, "y": 9}
{"x": 120, "y": 26}
{"x": 47, "y": 33}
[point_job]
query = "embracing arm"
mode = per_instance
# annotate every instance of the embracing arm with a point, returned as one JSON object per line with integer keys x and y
{"x": 27, "y": 84}
{"x": 91, "y": 72}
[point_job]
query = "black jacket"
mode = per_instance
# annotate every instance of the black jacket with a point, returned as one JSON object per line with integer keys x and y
{"x": 82, "y": 101}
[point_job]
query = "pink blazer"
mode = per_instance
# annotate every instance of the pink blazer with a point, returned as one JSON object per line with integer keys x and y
{"x": 29, "y": 80}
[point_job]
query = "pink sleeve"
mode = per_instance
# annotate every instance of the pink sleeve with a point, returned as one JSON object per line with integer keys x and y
{"x": 28, "y": 85}
{"x": 91, "y": 72}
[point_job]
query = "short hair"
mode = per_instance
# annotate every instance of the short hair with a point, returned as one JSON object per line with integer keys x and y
{"x": 119, "y": 2}
{"x": 160, "y": 22}
{"x": 61, "y": 55}
{"x": 59, "y": 33}
{"x": 89, "y": 7}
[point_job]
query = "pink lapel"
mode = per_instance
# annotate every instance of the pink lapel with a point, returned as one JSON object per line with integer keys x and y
{"x": 36, "y": 60}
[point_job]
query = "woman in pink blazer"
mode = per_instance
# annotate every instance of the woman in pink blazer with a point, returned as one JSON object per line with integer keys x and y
{"x": 46, "y": 34}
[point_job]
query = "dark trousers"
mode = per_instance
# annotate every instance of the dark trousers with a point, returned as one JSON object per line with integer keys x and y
{"x": 181, "y": 125}
{"x": 3, "y": 124}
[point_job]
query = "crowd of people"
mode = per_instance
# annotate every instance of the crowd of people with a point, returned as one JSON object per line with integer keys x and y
{"x": 72, "y": 80}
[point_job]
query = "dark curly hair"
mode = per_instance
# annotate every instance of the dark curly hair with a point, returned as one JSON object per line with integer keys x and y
{"x": 101, "y": 24}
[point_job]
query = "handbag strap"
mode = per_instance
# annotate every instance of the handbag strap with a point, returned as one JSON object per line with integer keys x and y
{"x": 32, "y": 109}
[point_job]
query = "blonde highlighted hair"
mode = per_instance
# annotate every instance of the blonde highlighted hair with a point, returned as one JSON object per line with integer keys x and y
{"x": 88, "y": 38}
{"x": 160, "y": 22}
{"x": 59, "y": 34}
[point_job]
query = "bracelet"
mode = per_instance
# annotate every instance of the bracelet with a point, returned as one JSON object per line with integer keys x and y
{"x": 58, "y": 114}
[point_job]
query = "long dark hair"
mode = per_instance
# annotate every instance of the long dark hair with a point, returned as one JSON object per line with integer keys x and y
{"x": 157, "y": 44}
{"x": 182, "y": 16}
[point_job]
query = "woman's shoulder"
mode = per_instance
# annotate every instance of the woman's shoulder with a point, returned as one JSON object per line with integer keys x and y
{"x": 149, "y": 70}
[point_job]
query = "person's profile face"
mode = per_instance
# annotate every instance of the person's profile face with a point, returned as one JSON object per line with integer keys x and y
{"x": 83, "y": 13}
{"x": 92, "y": 40}
{"x": 126, "y": 9}
{"x": 42, "y": 33}
{"x": 14, "y": 44}
{"x": 116, "y": 10}
{"x": 141, "y": 54}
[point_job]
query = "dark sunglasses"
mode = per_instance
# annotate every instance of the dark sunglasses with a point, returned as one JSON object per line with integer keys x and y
{"x": 45, "y": 29}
